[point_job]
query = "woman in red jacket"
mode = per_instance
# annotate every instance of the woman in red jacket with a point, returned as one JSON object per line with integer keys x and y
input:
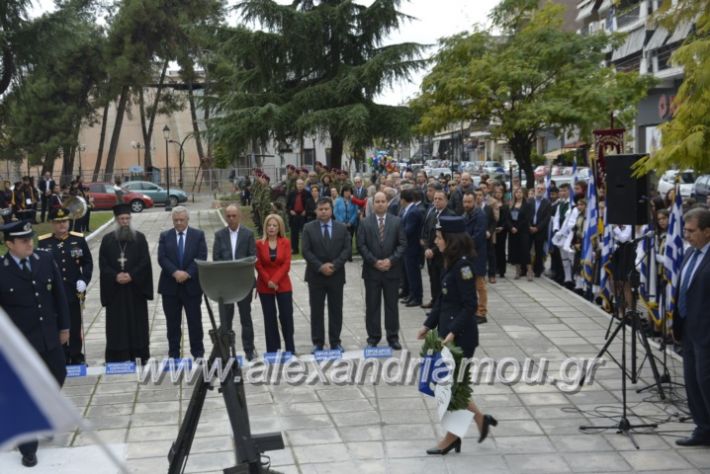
{"x": 273, "y": 262}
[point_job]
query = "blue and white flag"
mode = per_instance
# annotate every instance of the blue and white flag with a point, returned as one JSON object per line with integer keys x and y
{"x": 673, "y": 253}
{"x": 591, "y": 230}
{"x": 30, "y": 401}
{"x": 605, "y": 278}
{"x": 646, "y": 263}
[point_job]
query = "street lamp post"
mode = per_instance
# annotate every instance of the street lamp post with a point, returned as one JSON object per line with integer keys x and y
{"x": 79, "y": 149}
{"x": 166, "y": 135}
{"x": 181, "y": 161}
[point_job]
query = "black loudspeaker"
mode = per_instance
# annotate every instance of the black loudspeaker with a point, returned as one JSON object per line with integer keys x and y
{"x": 627, "y": 198}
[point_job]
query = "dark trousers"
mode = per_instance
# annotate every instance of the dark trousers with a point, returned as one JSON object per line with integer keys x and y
{"x": 375, "y": 290}
{"x": 414, "y": 277}
{"x": 296, "y": 225}
{"x": 173, "y": 306}
{"x": 271, "y": 323}
{"x": 491, "y": 258}
{"x": 435, "y": 266}
{"x": 317, "y": 294}
{"x": 54, "y": 360}
{"x": 696, "y": 371}
{"x": 537, "y": 242}
{"x": 558, "y": 273}
{"x": 73, "y": 353}
{"x": 244, "y": 307}
{"x": 44, "y": 200}
{"x": 501, "y": 241}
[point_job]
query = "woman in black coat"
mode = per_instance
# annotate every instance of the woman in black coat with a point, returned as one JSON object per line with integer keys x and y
{"x": 519, "y": 241}
{"x": 502, "y": 230}
{"x": 454, "y": 311}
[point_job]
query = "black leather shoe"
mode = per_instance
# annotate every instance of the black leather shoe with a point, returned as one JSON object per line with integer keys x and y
{"x": 428, "y": 305}
{"x": 443, "y": 452}
{"x": 481, "y": 319}
{"x": 403, "y": 296}
{"x": 337, "y": 347}
{"x": 317, "y": 347}
{"x": 412, "y": 303}
{"x": 396, "y": 346}
{"x": 488, "y": 421}
{"x": 250, "y": 355}
{"x": 693, "y": 441}
{"x": 29, "y": 460}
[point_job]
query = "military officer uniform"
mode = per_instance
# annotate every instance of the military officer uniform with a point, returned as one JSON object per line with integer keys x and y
{"x": 455, "y": 308}
{"x": 73, "y": 257}
{"x": 32, "y": 295}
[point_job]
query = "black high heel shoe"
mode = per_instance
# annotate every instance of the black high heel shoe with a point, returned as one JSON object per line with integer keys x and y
{"x": 439, "y": 451}
{"x": 488, "y": 421}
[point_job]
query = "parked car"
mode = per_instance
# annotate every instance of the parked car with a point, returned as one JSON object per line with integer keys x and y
{"x": 437, "y": 172}
{"x": 667, "y": 182}
{"x": 158, "y": 193}
{"x": 104, "y": 195}
{"x": 701, "y": 188}
{"x": 493, "y": 168}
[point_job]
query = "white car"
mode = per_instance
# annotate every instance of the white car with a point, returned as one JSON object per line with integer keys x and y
{"x": 667, "y": 182}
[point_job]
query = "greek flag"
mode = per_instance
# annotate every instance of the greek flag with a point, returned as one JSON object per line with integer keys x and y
{"x": 590, "y": 232}
{"x": 673, "y": 253}
{"x": 646, "y": 263}
{"x": 605, "y": 289}
{"x": 30, "y": 401}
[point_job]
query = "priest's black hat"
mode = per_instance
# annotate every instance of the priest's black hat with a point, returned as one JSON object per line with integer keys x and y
{"x": 17, "y": 230}
{"x": 451, "y": 224}
{"x": 119, "y": 209}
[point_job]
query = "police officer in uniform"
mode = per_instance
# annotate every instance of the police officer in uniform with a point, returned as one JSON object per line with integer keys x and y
{"x": 73, "y": 257}
{"x": 32, "y": 295}
{"x": 454, "y": 311}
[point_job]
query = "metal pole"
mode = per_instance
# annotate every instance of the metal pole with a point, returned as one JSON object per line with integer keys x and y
{"x": 168, "y": 207}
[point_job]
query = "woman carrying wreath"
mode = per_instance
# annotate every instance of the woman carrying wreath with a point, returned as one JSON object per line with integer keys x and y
{"x": 454, "y": 312}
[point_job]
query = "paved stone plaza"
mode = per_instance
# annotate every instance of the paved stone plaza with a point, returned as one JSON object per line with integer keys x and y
{"x": 386, "y": 429}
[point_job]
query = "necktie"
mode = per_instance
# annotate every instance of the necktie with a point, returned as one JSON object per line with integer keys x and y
{"x": 326, "y": 234}
{"x": 682, "y": 297}
{"x": 25, "y": 266}
{"x": 181, "y": 247}
{"x": 381, "y": 229}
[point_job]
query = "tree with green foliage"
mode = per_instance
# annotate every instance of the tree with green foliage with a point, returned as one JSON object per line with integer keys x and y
{"x": 311, "y": 67}
{"x": 533, "y": 77}
{"x": 685, "y": 139}
{"x": 13, "y": 18}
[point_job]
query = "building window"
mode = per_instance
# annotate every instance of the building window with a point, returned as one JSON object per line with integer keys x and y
{"x": 309, "y": 156}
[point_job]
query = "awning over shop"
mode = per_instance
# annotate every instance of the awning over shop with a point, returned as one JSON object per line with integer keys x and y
{"x": 585, "y": 11}
{"x": 633, "y": 44}
{"x": 681, "y": 32}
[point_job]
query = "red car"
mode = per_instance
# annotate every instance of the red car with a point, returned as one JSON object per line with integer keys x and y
{"x": 104, "y": 195}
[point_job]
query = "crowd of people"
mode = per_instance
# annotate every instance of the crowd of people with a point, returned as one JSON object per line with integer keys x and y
{"x": 37, "y": 200}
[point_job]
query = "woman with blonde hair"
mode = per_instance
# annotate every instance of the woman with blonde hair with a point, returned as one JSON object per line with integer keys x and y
{"x": 273, "y": 263}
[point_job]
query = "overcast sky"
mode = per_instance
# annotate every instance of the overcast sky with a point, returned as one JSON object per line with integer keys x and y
{"x": 434, "y": 19}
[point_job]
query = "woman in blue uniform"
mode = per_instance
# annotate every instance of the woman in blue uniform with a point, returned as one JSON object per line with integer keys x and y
{"x": 454, "y": 312}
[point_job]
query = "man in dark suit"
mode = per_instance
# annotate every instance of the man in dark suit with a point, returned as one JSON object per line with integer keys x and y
{"x": 381, "y": 242}
{"x": 232, "y": 243}
{"x": 326, "y": 248}
{"x": 33, "y": 296}
{"x": 434, "y": 258}
{"x": 540, "y": 210}
{"x": 296, "y": 205}
{"x": 359, "y": 190}
{"x": 179, "y": 283}
{"x": 476, "y": 222}
{"x": 46, "y": 184}
{"x": 691, "y": 323}
{"x": 393, "y": 201}
{"x": 412, "y": 220}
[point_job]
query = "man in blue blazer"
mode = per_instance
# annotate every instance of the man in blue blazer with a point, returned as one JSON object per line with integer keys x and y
{"x": 179, "y": 282}
{"x": 232, "y": 243}
{"x": 412, "y": 222}
{"x": 692, "y": 324}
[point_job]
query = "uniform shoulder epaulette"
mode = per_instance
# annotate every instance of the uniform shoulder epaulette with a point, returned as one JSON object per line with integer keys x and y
{"x": 76, "y": 234}
{"x": 44, "y": 236}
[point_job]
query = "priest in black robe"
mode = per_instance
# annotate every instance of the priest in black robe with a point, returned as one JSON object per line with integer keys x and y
{"x": 126, "y": 287}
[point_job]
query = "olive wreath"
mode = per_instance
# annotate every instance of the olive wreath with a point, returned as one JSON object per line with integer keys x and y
{"x": 461, "y": 391}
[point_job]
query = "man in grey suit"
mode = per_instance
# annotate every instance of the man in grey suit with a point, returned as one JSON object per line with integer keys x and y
{"x": 232, "y": 243}
{"x": 326, "y": 247}
{"x": 381, "y": 242}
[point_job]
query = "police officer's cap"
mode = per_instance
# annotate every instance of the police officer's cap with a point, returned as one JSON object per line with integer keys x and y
{"x": 120, "y": 209}
{"x": 61, "y": 214}
{"x": 451, "y": 224}
{"x": 17, "y": 230}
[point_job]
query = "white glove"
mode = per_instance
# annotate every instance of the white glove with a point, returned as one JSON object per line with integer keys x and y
{"x": 80, "y": 286}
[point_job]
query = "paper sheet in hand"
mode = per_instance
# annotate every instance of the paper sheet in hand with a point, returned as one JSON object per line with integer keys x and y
{"x": 457, "y": 422}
